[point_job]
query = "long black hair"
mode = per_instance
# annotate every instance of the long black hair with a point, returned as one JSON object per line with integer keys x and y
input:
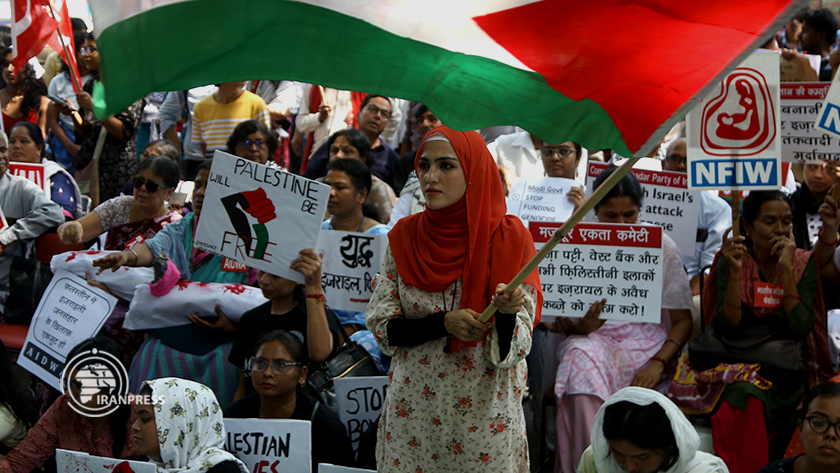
{"x": 357, "y": 140}
{"x": 628, "y": 186}
{"x": 646, "y": 427}
{"x": 12, "y": 392}
{"x": 33, "y": 87}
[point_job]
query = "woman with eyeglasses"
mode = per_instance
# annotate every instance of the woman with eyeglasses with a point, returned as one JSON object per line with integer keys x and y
{"x": 278, "y": 374}
{"x": 26, "y": 145}
{"x": 819, "y": 428}
{"x": 562, "y": 161}
{"x": 118, "y": 159}
{"x": 22, "y": 96}
{"x": 253, "y": 141}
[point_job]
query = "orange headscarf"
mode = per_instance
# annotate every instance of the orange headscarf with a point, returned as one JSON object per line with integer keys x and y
{"x": 472, "y": 238}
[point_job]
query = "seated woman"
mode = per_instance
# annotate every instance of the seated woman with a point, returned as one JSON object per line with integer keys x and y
{"x": 278, "y": 374}
{"x": 767, "y": 254}
{"x": 26, "y": 145}
{"x": 167, "y": 351}
{"x": 253, "y": 141}
{"x": 17, "y": 410}
{"x": 62, "y": 426}
{"x": 598, "y": 359}
{"x": 161, "y": 437}
{"x": 353, "y": 144}
{"x": 819, "y": 427}
{"x": 639, "y": 430}
{"x": 167, "y": 149}
{"x": 294, "y": 307}
{"x": 29, "y": 213}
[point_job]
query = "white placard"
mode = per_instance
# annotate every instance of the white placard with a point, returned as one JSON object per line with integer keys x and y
{"x": 3, "y": 223}
{"x": 667, "y": 202}
{"x": 69, "y": 312}
{"x": 327, "y": 468}
{"x": 734, "y": 133}
{"x": 359, "y": 403}
{"x": 260, "y": 216}
{"x": 349, "y": 262}
{"x": 271, "y": 445}
{"x": 800, "y": 108}
{"x": 68, "y": 461}
{"x": 34, "y": 172}
{"x": 622, "y": 263}
{"x": 828, "y": 119}
{"x": 541, "y": 199}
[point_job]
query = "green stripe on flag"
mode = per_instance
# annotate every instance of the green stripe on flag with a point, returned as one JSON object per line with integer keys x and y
{"x": 193, "y": 43}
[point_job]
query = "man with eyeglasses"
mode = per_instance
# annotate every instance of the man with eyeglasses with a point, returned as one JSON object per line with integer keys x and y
{"x": 714, "y": 218}
{"x": 374, "y": 115}
{"x": 819, "y": 429}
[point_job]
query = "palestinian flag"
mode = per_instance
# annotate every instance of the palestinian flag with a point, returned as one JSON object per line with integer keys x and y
{"x": 606, "y": 73}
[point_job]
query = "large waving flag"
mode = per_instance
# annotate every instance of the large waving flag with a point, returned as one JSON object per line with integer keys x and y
{"x": 606, "y": 73}
{"x": 34, "y": 26}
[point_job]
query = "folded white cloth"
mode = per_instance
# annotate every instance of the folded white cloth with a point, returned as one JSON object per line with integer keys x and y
{"x": 121, "y": 282}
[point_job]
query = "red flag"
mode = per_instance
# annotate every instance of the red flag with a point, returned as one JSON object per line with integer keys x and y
{"x": 33, "y": 27}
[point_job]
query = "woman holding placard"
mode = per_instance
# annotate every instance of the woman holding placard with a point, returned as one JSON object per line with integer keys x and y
{"x": 180, "y": 428}
{"x": 278, "y": 374}
{"x": 455, "y": 398}
{"x": 597, "y": 358}
{"x": 762, "y": 262}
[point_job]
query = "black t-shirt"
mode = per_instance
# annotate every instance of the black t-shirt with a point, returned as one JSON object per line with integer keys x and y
{"x": 330, "y": 443}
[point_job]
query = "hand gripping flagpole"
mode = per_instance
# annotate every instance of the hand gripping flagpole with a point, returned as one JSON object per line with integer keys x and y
{"x": 76, "y": 81}
{"x": 561, "y": 232}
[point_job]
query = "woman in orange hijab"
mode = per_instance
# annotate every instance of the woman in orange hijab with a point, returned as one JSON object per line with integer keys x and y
{"x": 454, "y": 400}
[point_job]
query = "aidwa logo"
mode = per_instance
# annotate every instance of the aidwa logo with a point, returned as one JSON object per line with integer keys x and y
{"x": 741, "y": 120}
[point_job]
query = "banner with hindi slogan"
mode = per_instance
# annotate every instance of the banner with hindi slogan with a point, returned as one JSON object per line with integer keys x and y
{"x": 34, "y": 172}
{"x": 270, "y": 445}
{"x": 349, "y": 262}
{"x": 359, "y": 402}
{"x": 734, "y": 133}
{"x": 802, "y": 140}
{"x": 828, "y": 118}
{"x": 667, "y": 202}
{"x": 541, "y": 199}
{"x": 70, "y": 311}
{"x": 68, "y": 461}
{"x": 622, "y": 263}
{"x": 260, "y": 216}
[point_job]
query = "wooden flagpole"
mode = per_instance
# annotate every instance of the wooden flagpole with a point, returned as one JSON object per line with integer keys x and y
{"x": 73, "y": 77}
{"x": 561, "y": 232}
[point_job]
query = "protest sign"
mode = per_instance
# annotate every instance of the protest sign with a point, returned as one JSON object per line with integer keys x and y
{"x": 800, "y": 107}
{"x": 667, "y": 202}
{"x": 3, "y": 223}
{"x": 260, "y": 216}
{"x": 349, "y": 261}
{"x": 541, "y": 199}
{"x": 327, "y": 468}
{"x": 622, "y": 263}
{"x": 33, "y": 172}
{"x": 70, "y": 311}
{"x": 68, "y": 461}
{"x": 829, "y": 116}
{"x": 270, "y": 445}
{"x": 359, "y": 403}
{"x": 734, "y": 133}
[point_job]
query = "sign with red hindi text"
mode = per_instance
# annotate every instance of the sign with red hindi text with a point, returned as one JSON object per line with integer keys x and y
{"x": 622, "y": 263}
{"x": 34, "y": 172}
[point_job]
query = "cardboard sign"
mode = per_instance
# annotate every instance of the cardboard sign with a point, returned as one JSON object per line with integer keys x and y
{"x": 622, "y": 263}
{"x": 359, "y": 403}
{"x": 260, "y": 216}
{"x": 734, "y": 134}
{"x": 69, "y": 312}
{"x": 667, "y": 202}
{"x": 349, "y": 262}
{"x": 33, "y": 172}
{"x": 269, "y": 445}
{"x": 77, "y": 462}
{"x": 768, "y": 295}
{"x": 541, "y": 199}
{"x": 801, "y": 104}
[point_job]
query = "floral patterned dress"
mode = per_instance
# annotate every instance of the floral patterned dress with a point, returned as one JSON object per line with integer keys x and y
{"x": 449, "y": 411}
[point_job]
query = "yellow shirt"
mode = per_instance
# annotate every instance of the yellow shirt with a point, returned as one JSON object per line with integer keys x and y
{"x": 213, "y": 122}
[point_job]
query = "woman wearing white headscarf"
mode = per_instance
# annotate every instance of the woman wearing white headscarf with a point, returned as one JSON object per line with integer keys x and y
{"x": 639, "y": 430}
{"x": 180, "y": 428}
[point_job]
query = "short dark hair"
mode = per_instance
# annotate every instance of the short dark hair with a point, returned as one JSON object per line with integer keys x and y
{"x": 205, "y": 165}
{"x": 646, "y": 427}
{"x": 242, "y": 130}
{"x": 164, "y": 168}
{"x": 78, "y": 24}
{"x": 358, "y": 140}
{"x": 822, "y": 19}
{"x": 827, "y": 389}
{"x": 420, "y": 109}
{"x": 370, "y": 97}
{"x": 628, "y": 186}
{"x": 293, "y": 344}
{"x": 34, "y": 132}
{"x": 357, "y": 171}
